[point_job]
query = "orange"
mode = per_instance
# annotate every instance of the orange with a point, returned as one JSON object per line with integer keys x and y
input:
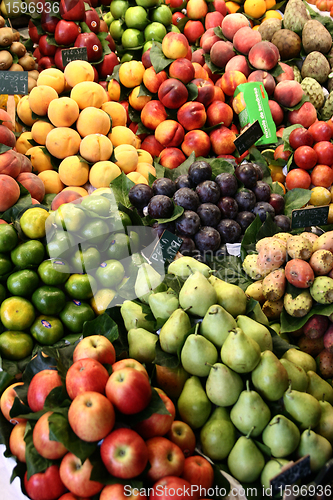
{"x": 272, "y": 14}
{"x": 270, "y": 4}
{"x": 255, "y": 8}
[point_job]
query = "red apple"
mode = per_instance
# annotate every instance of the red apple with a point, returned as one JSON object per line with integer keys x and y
{"x": 45, "y": 62}
{"x": 70, "y": 496}
{"x": 93, "y": 44}
{"x": 46, "y": 447}
{"x": 300, "y": 137}
{"x": 72, "y": 10}
{"x": 157, "y": 424}
{"x": 199, "y": 473}
{"x": 129, "y": 390}
{"x": 66, "y": 32}
{"x": 45, "y": 48}
{"x": 183, "y": 436}
{"x": 171, "y": 487}
{"x": 33, "y": 32}
{"x": 86, "y": 375}
{"x": 40, "y": 386}
{"x": 129, "y": 363}
{"x": 49, "y": 22}
{"x": 105, "y": 68}
{"x": 58, "y": 59}
{"x": 95, "y": 347}
{"x": 75, "y": 475}
{"x": 120, "y": 492}
{"x": 45, "y": 485}
{"x": 124, "y": 453}
{"x": 165, "y": 458}
{"x": 91, "y": 18}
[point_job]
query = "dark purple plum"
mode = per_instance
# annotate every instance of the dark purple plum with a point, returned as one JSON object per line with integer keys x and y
{"x": 247, "y": 175}
{"x": 188, "y": 224}
{"x": 228, "y": 207}
{"x": 283, "y": 222}
{"x": 210, "y": 214}
{"x": 262, "y": 208}
{"x": 183, "y": 181}
{"x": 186, "y": 198}
{"x": 262, "y": 191}
{"x": 160, "y": 207}
{"x": 230, "y": 231}
{"x": 244, "y": 219}
{"x": 260, "y": 173}
{"x": 188, "y": 245}
{"x": 222, "y": 251}
{"x": 208, "y": 192}
{"x": 165, "y": 226}
{"x": 199, "y": 171}
{"x": 140, "y": 195}
{"x": 246, "y": 199}
{"x": 164, "y": 186}
{"x": 227, "y": 183}
{"x": 207, "y": 239}
{"x": 277, "y": 202}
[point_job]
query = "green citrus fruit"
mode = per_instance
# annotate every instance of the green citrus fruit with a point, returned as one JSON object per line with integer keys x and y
{"x": 95, "y": 232}
{"x": 119, "y": 247}
{"x": 61, "y": 244}
{"x": 74, "y": 314}
{"x": 47, "y": 330}
{"x": 29, "y": 253}
{"x": 15, "y": 345}
{"x": 8, "y": 238}
{"x": 70, "y": 217}
{"x": 110, "y": 273}
{"x": 81, "y": 286}
{"x": 23, "y": 283}
{"x": 17, "y": 313}
{"x": 5, "y": 264}
{"x": 98, "y": 204}
{"x": 48, "y": 299}
{"x": 85, "y": 260}
{"x": 32, "y": 222}
{"x": 125, "y": 219}
{"x": 53, "y": 271}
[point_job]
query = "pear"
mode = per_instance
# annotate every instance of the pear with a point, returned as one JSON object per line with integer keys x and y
{"x": 272, "y": 468}
{"x": 302, "y": 407}
{"x": 281, "y": 435}
{"x": 218, "y": 435}
{"x": 240, "y": 352}
{"x": 319, "y": 388}
{"x": 174, "y": 331}
{"x": 301, "y": 358}
{"x": 250, "y": 412}
{"x": 193, "y": 404}
{"x": 245, "y": 461}
{"x": 223, "y": 386}
{"x": 148, "y": 280}
{"x": 325, "y": 426}
{"x": 277, "y": 328}
{"x": 163, "y": 304}
{"x": 185, "y": 266}
{"x": 134, "y": 317}
{"x": 142, "y": 345}
{"x": 197, "y": 354}
{"x": 256, "y": 331}
{"x": 270, "y": 378}
{"x": 318, "y": 447}
{"x": 197, "y": 294}
{"x": 298, "y": 378}
{"x": 229, "y": 296}
{"x": 258, "y": 315}
{"x": 216, "y": 324}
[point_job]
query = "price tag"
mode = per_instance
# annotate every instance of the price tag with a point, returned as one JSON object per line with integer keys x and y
{"x": 14, "y": 82}
{"x": 291, "y": 474}
{"x": 166, "y": 248}
{"x": 249, "y": 137}
{"x": 74, "y": 54}
{"x": 311, "y": 216}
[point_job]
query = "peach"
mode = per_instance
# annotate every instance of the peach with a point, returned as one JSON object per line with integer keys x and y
{"x": 88, "y": 94}
{"x": 169, "y": 133}
{"x": 266, "y": 78}
{"x": 208, "y": 39}
{"x": 116, "y": 111}
{"x": 138, "y": 101}
{"x": 288, "y": 73}
{"x": 9, "y": 192}
{"x": 39, "y": 131}
{"x": 22, "y": 143}
{"x": 78, "y": 71}
{"x": 171, "y": 157}
{"x": 122, "y": 135}
{"x": 26, "y": 165}
{"x": 152, "y": 146}
{"x": 33, "y": 184}
{"x": 52, "y": 182}
{"x": 222, "y": 139}
{"x": 65, "y": 196}
{"x": 52, "y": 77}
{"x": 40, "y": 98}
{"x": 213, "y": 19}
{"x": 102, "y": 173}
{"x": 264, "y": 55}
{"x": 93, "y": 121}
{"x": 10, "y": 163}
{"x": 7, "y": 137}
{"x": 245, "y": 38}
{"x": 197, "y": 142}
{"x": 63, "y": 112}
{"x": 153, "y": 80}
{"x": 288, "y": 93}
{"x": 306, "y": 115}
{"x": 205, "y": 91}
{"x": 24, "y": 111}
{"x": 6, "y": 120}
{"x": 232, "y": 23}
{"x": 221, "y": 52}
{"x": 172, "y": 93}
{"x": 40, "y": 159}
{"x": 193, "y": 30}
{"x": 219, "y": 113}
{"x": 96, "y": 147}
{"x": 153, "y": 114}
{"x": 238, "y": 63}
{"x": 126, "y": 158}
{"x": 230, "y": 80}
{"x": 145, "y": 169}
{"x": 277, "y": 112}
{"x": 114, "y": 90}
{"x": 220, "y": 6}
{"x": 62, "y": 142}
{"x": 198, "y": 57}
{"x": 175, "y": 45}
{"x": 218, "y": 94}
{"x": 182, "y": 69}
{"x": 200, "y": 71}
{"x": 192, "y": 115}
{"x": 195, "y": 9}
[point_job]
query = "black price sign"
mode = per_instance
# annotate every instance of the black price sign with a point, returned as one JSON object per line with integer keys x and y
{"x": 14, "y": 82}
{"x": 306, "y": 217}
{"x": 74, "y": 54}
{"x": 166, "y": 248}
{"x": 291, "y": 475}
{"x": 249, "y": 137}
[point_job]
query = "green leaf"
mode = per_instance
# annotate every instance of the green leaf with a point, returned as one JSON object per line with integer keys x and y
{"x": 177, "y": 212}
{"x": 304, "y": 99}
{"x": 296, "y": 198}
{"x": 104, "y": 325}
{"x": 144, "y": 91}
{"x": 276, "y": 71}
{"x": 219, "y": 33}
{"x": 277, "y": 189}
{"x": 219, "y": 166}
{"x": 269, "y": 157}
{"x": 250, "y": 237}
{"x": 120, "y": 187}
{"x": 183, "y": 167}
{"x": 35, "y": 462}
{"x": 268, "y": 228}
{"x": 12, "y": 213}
{"x": 164, "y": 358}
{"x": 174, "y": 282}
{"x": 134, "y": 114}
{"x": 291, "y": 324}
{"x": 115, "y": 74}
{"x": 105, "y": 44}
{"x": 287, "y": 131}
{"x": 156, "y": 405}
{"x": 214, "y": 69}
{"x": 158, "y": 59}
{"x": 280, "y": 346}
{"x": 192, "y": 91}
{"x": 4, "y": 148}
{"x": 5, "y": 380}
{"x": 160, "y": 171}
{"x": 229, "y": 269}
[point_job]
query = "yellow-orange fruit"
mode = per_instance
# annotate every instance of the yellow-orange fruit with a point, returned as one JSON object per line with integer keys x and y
{"x": 52, "y": 77}
{"x": 117, "y": 113}
{"x": 24, "y": 111}
{"x": 78, "y": 71}
{"x": 96, "y": 147}
{"x": 73, "y": 172}
{"x": 39, "y": 131}
{"x": 122, "y": 135}
{"x": 88, "y": 94}
{"x": 22, "y": 142}
{"x": 62, "y": 142}
{"x": 126, "y": 158}
{"x": 93, "y": 121}
{"x": 40, "y": 98}
{"x": 102, "y": 173}
{"x": 63, "y": 112}
{"x": 39, "y": 159}
{"x": 51, "y": 181}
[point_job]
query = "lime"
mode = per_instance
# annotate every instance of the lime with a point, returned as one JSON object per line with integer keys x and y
{"x": 134, "y": 241}
{"x": 15, "y": 345}
{"x": 81, "y": 286}
{"x": 5, "y": 264}
{"x": 101, "y": 300}
{"x": 125, "y": 219}
{"x": 2, "y": 293}
{"x": 17, "y": 313}
{"x": 53, "y": 271}
{"x": 48, "y": 299}
{"x": 127, "y": 56}
{"x": 118, "y": 8}
{"x": 95, "y": 231}
{"x": 98, "y": 204}
{"x": 29, "y": 253}
{"x": 110, "y": 273}
{"x": 32, "y": 222}
{"x": 23, "y": 283}
{"x": 8, "y": 238}
{"x": 70, "y": 217}
{"x": 74, "y": 314}
{"x": 119, "y": 247}
{"x": 85, "y": 260}
{"x": 61, "y": 244}
{"x": 47, "y": 330}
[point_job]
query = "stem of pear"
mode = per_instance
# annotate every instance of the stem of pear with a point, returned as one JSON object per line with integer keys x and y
{"x": 196, "y": 329}
{"x": 248, "y": 385}
{"x": 250, "y": 432}
{"x": 212, "y": 366}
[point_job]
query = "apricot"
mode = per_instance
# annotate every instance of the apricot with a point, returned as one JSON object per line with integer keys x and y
{"x": 33, "y": 184}
{"x": 126, "y": 157}
{"x": 88, "y": 94}
{"x": 131, "y": 73}
{"x": 93, "y": 121}
{"x": 40, "y": 160}
{"x": 73, "y": 171}
{"x": 145, "y": 169}
{"x": 9, "y": 192}
{"x": 10, "y": 163}
{"x": 78, "y": 71}
{"x": 52, "y": 77}
{"x": 62, "y": 142}
{"x": 63, "y": 112}
{"x": 96, "y": 147}
{"x": 24, "y": 111}
{"x": 122, "y": 135}
{"x": 39, "y": 131}
{"x": 102, "y": 173}
{"x": 116, "y": 112}
{"x": 40, "y": 98}
{"x": 144, "y": 156}
{"x": 51, "y": 181}
{"x": 22, "y": 142}
{"x": 114, "y": 90}
{"x": 138, "y": 101}
{"x": 137, "y": 178}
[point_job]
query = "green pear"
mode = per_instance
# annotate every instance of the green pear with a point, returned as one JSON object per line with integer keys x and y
{"x": 163, "y": 304}
{"x": 277, "y": 328}
{"x": 197, "y": 354}
{"x": 250, "y": 412}
{"x": 216, "y": 324}
{"x": 218, "y": 435}
{"x": 270, "y": 378}
{"x": 325, "y": 426}
{"x": 185, "y": 266}
{"x": 302, "y": 407}
{"x": 148, "y": 280}
{"x": 229, "y": 296}
{"x": 223, "y": 386}
{"x": 240, "y": 352}
{"x": 256, "y": 331}
{"x": 134, "y": 317}
{"x": 245, "y": 461}
{"x": 174, "y": 331}
{"x": 318, "y": 447}
{"x": 298, "y": 378}
{"x": 193, "y": 405}
{"x": 272, "y": 468}
{"x": 301, "y": 358}
{"x": 141, "y": 345}
{"x": 197, "y": 294}
{"x": 258, "y": 315}
{"x": 281, "y": 435}
{"x": 319, "y": 388}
